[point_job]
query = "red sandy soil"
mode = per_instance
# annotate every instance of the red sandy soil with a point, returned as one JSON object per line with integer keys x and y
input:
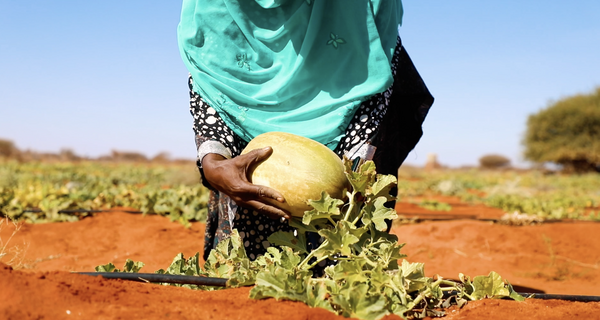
{"x": 560, "y": 258}
{"x": 409, "y": 208}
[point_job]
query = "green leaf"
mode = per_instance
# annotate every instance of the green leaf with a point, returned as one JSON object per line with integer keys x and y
{"x": 177, "y": 265}
{"x": 339, "y": 240}
{"x": 349, "y": 272}
{"x": 132, "y": 266}
{"x": 377, "y": 213}
{"x": 385, "y": 253}
{"x": 281, "y": 284}
{"x": 109, "y": 267}
{"x": 317, "y": 295}
{"x": 324, "y": 208}
{"x": 383, "y": 185}
{"x": 363, "y": 178}
{"x": 283, "y": 238}
{"x": 228, "y": 260}
{"x": 491, "y": 286}
{"x": 413, "y": 276}
{"x": 314, "y": 225}
{"x": 356, "y": 303}
{"x": 513, "y": 294}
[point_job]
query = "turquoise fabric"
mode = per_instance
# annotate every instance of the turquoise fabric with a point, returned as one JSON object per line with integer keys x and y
{"x": 298, "y": 66}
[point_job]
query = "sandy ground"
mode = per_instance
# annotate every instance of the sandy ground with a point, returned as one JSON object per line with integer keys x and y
{"x": 561, "y": 258}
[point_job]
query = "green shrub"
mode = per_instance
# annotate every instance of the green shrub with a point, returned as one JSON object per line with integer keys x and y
{"x": 494, "y": 161}
{"x": 566, "y": 133}
{"x": 8, "y": 149}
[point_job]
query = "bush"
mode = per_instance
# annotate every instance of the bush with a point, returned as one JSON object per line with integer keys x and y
{"x": 68, "y": 155}
{"x": 128, "y": 156}
{"x": 566, "y": 133}
{"x": 494, "y": 161}
{"x": 8, "y": 149}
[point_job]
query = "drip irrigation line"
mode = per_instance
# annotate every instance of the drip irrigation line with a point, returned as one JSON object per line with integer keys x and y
{"x": 83, "y": 211}
{"x": 454, "y": 217}
{"x": 221, "y": 282}
{"x": 544, "y": 296}
{"x": 566, "y": 297}
{"x": 160, "y": 278}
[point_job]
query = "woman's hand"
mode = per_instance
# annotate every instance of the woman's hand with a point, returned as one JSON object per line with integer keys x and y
{"x": 230, "y": 176}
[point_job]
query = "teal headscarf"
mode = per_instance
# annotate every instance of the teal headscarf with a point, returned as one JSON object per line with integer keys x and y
{"x": 298, "y": 66}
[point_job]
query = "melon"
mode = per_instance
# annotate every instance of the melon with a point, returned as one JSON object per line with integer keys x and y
{"x": 299, "y": 168}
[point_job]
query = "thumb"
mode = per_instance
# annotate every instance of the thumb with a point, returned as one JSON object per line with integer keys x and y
{"x": 255, "y": 157}
{"x": 261, "y": 155}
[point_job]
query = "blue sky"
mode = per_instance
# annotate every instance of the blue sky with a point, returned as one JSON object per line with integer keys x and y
{"x": 94, "y": 76}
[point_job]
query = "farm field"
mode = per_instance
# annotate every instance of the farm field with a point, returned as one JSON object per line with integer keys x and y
{"x": 444, "y": 225}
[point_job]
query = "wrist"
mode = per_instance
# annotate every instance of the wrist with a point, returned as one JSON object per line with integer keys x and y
{"x": 209, "y": 160}
{"x": 212, "y": 147}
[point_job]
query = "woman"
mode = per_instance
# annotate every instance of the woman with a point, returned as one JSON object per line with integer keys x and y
{"x": 330, "y": 70}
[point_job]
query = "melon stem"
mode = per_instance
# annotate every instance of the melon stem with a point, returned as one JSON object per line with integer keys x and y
{"x": 351, "y": 206}
{"x": 311, "y": 255}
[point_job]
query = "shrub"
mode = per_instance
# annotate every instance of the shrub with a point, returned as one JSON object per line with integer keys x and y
{"x": 494, "y": 161}
{"x": 8, "y": 149}
{"x": 162, "y": 157}
{"x": 566, "y": 133}
{"x": 68, "y": 155}
{"x": 128, "y": 156}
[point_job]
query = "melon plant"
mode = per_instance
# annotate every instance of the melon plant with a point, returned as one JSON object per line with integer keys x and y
{"x": 366, "y": 282}
{"x": 299, "y": 168}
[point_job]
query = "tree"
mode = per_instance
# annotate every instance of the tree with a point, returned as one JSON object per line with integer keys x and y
{"x": 8, "y": 149}
{"x": 566, "y": 133}
{"x": 494, "y": 161}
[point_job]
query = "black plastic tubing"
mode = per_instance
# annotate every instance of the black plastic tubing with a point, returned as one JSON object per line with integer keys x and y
{"x": 220, "y": 282}
{"x": 160, "y": 278}
{"x": 545, "y": 296}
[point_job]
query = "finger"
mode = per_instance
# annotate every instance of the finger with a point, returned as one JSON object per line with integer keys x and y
{"x": 266, "y": 192}
{"x": 248, "y": 191}
{"x": 268, "y": 210}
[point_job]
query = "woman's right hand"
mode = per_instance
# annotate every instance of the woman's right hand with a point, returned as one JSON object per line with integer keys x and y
{"x": 230, "y": 176}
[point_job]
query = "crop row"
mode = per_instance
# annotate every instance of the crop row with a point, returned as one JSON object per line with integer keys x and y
{"x": 528, "y": 192}
{"x": 42, "y": 192}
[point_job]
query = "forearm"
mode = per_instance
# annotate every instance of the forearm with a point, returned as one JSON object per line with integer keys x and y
{"x": 206, "y": 147}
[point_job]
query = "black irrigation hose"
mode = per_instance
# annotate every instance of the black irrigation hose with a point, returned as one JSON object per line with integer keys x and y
{"x": 566, "y": 297}
{"x": 83, "y": 211}
{"x": 160, "y": 278}
{"x": 544, "y": 296}
{"x": 220, "y": 282}
{"x": 454, "y": 217}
